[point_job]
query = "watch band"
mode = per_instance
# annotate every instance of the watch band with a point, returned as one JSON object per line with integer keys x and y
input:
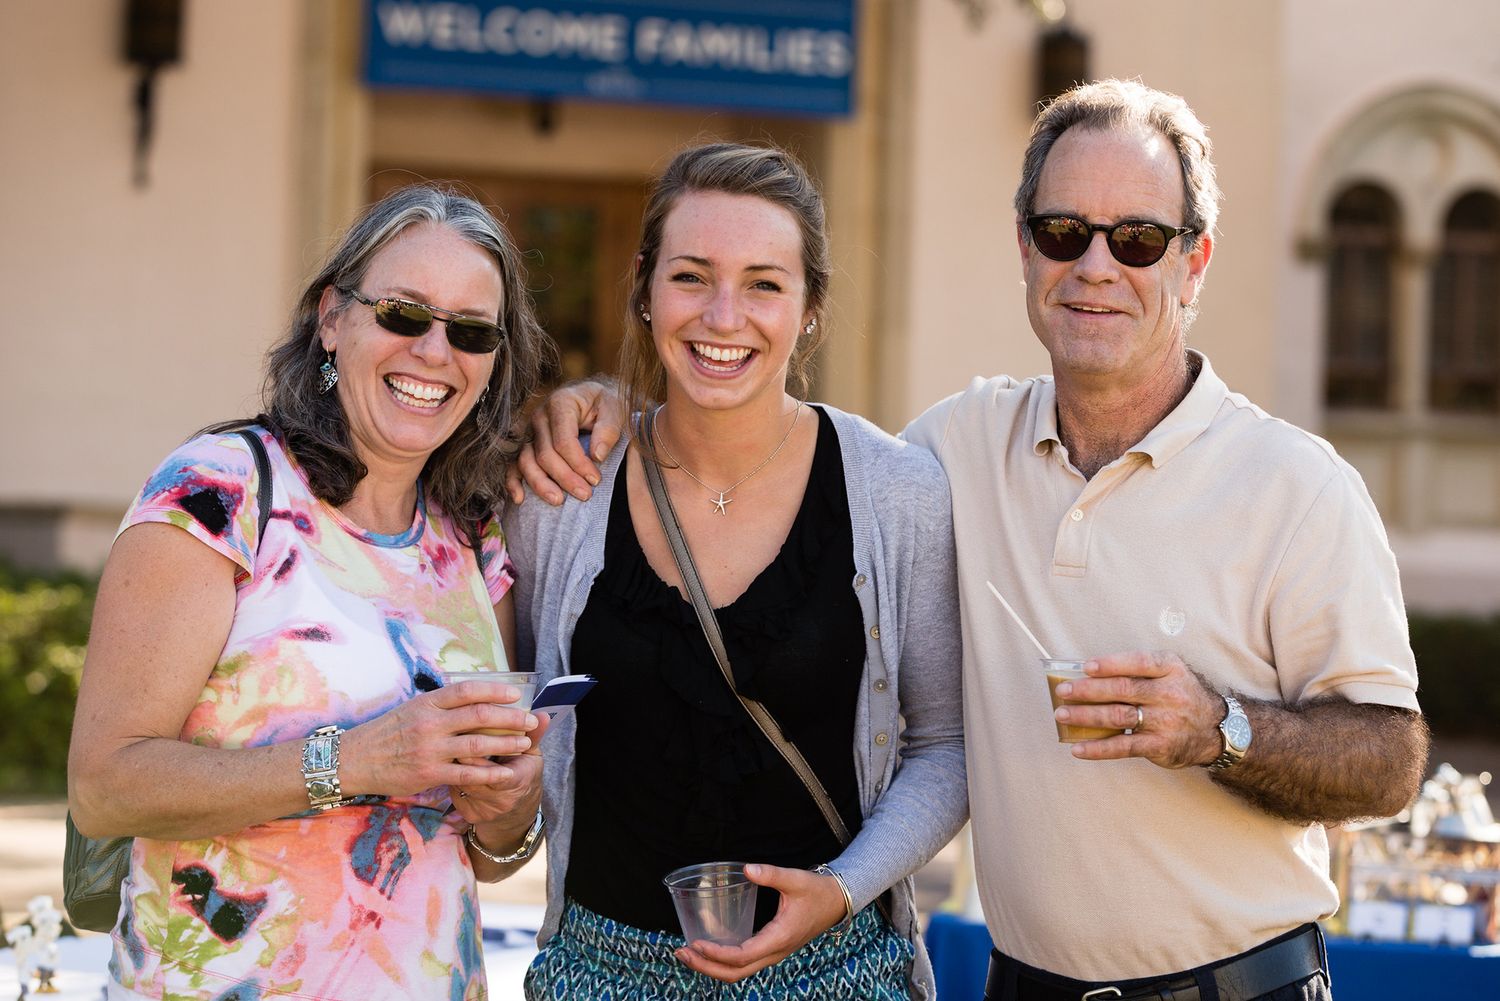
{"x": 1234, "y": 719}
{"x": 528, "y": 843}
{"x": 320, "y": 768}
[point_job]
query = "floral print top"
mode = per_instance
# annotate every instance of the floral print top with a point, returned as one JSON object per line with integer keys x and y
{"x": 338, "y": 625}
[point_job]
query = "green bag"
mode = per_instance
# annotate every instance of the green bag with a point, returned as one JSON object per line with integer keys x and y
{"x": 95, "y": 868}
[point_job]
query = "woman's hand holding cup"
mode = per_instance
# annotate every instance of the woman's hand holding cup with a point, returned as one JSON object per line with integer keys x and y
{"x": 515, "y": 689}
{"x": 810, "y": 905}
{"x": 502, "y": 811}
{"x": 510, "y": 803}
{"x": 440, "y": 738}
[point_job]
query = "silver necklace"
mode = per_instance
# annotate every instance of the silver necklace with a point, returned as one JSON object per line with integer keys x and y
{"x": 722, "y": 502}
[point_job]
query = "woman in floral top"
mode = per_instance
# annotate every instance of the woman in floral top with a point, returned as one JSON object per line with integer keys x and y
{"x": 262, "y": 705}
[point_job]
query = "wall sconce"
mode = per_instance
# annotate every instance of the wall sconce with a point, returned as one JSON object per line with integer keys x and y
{"x": 1062, "y": 62}
{"x": 544, "y": 116}
{"x": 153, "y": 39}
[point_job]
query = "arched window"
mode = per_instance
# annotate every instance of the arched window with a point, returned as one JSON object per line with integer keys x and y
{"x": 1363, "y": 238}
{"x": 1464, "y": 365}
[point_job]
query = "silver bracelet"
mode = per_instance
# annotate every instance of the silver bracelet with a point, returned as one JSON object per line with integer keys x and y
{"x": 320, "y": 769}
{"x": 521, "y": 854}
{"x": 838, "y": 930}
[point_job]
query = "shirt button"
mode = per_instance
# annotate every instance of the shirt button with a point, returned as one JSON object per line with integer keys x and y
{"x": 882, "y": 739}
{"x": 875, "y": 632}
{"x": 1077, "y": 514}
{"x": 881, "y": 685}
{"x": 859, "y": 581}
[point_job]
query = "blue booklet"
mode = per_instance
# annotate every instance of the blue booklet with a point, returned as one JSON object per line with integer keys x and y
{"x": 558, "y": 696}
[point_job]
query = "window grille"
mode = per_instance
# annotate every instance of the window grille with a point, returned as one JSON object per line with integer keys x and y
{"x": 1464, "y": 346}
{"x": 1363, "y": 240}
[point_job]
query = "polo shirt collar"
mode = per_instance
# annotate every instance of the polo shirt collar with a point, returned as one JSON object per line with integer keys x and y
{"x": 1177, "y": 430}
{"x": 1044, "y": 433}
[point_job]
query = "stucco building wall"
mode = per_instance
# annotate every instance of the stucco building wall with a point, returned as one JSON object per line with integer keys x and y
{"x": 135, "y": 314}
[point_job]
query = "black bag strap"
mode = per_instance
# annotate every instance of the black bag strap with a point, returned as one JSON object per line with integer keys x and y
{"x": 699, "y": 597}
{"x": 262, "y": 480}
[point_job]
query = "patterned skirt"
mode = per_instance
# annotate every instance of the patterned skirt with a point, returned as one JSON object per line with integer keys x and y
{"x": 593, "y": 958}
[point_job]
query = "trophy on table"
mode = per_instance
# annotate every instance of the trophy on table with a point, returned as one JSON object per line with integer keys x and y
{"x": 35, "y": 946}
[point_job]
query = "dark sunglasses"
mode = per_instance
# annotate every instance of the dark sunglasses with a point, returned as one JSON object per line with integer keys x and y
{"x": 1134, "y": 243}
{"x": 413, "y": 319}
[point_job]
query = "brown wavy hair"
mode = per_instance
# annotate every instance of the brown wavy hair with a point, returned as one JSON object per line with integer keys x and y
{"x": 767, "y": 172}
{"x": 465, "y": 475}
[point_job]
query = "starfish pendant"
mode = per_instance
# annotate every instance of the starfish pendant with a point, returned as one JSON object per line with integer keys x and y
{"x": 721, "y": 503}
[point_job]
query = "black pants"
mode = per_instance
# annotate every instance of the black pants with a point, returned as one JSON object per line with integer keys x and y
{"x": 1012, "y": 980}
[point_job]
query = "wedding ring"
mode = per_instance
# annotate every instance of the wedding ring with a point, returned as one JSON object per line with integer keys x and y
{"x": 1140, "y": 719}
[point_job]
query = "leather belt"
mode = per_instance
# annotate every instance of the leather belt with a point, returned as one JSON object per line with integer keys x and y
{"x": 1285, "y": 960}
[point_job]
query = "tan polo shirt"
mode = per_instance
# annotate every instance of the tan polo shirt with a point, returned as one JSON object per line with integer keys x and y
{"x": 1241, "y": 543}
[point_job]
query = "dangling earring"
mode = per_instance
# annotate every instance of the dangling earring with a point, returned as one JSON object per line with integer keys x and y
{"x": 328, "y": 374}
{"x": 477, "y": 410}
{"x": 645, "y": 314}
{"x": 809, "y": 328}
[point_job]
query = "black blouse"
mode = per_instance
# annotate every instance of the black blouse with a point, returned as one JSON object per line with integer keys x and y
{"x": 670, "y": 769}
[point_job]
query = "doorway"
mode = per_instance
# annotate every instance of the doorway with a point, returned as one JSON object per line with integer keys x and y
{"x": 578, "y": 237}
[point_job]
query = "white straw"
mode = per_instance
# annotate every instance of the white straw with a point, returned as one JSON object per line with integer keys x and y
{"x": 1029, "y": 635}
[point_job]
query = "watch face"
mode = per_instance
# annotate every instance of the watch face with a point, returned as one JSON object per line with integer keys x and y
{"x": 1237, "y": 729}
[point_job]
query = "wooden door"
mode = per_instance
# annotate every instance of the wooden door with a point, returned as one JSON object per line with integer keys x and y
{"x": 579, "y": 238}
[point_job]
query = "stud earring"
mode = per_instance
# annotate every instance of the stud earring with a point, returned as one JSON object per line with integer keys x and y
{"x": 645, "y": 314}
{"x": 809, "y": 328}
{"x": 328, "y": 374}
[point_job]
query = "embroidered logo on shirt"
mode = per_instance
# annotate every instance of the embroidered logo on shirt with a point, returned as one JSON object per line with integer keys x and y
{"x": 1172, "y": 620}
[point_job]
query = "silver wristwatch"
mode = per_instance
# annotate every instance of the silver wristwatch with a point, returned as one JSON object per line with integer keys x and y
{"x": 320, "y": 768}
{"x": 528, "y": 843}
{"x": 1234, "y": 730}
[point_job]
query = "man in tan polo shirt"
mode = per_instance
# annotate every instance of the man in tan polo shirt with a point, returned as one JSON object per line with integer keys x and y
{"x": 1219, "y": 566}
{"x": 1226, "y": 572}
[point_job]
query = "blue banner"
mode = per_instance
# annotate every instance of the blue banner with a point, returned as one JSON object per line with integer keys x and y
{"x": 787, "y": 56}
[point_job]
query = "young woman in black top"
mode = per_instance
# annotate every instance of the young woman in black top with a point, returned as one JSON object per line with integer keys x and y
{"x": 826, "y": 550}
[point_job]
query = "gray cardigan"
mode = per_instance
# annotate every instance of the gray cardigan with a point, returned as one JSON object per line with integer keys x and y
{"x": 906, "y": 585}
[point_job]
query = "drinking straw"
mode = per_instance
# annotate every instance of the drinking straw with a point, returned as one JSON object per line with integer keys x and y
{"x": 1029, "y": 634}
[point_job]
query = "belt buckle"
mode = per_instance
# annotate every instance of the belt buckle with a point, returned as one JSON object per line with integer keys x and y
{"x": 1102, "y": 992}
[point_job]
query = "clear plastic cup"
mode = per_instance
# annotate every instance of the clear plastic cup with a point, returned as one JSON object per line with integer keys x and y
{"x": 1057, "y": 671}
{"x": 524, "y": 680}
{"x": 715, "y": 902}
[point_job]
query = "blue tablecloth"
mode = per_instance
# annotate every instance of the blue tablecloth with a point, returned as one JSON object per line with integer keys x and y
{"x": 1361, "y": 971}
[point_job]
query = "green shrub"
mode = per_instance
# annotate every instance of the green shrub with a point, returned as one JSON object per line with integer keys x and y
{"x": 44, "y": 624}
{"x": 1458, "y": 673}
